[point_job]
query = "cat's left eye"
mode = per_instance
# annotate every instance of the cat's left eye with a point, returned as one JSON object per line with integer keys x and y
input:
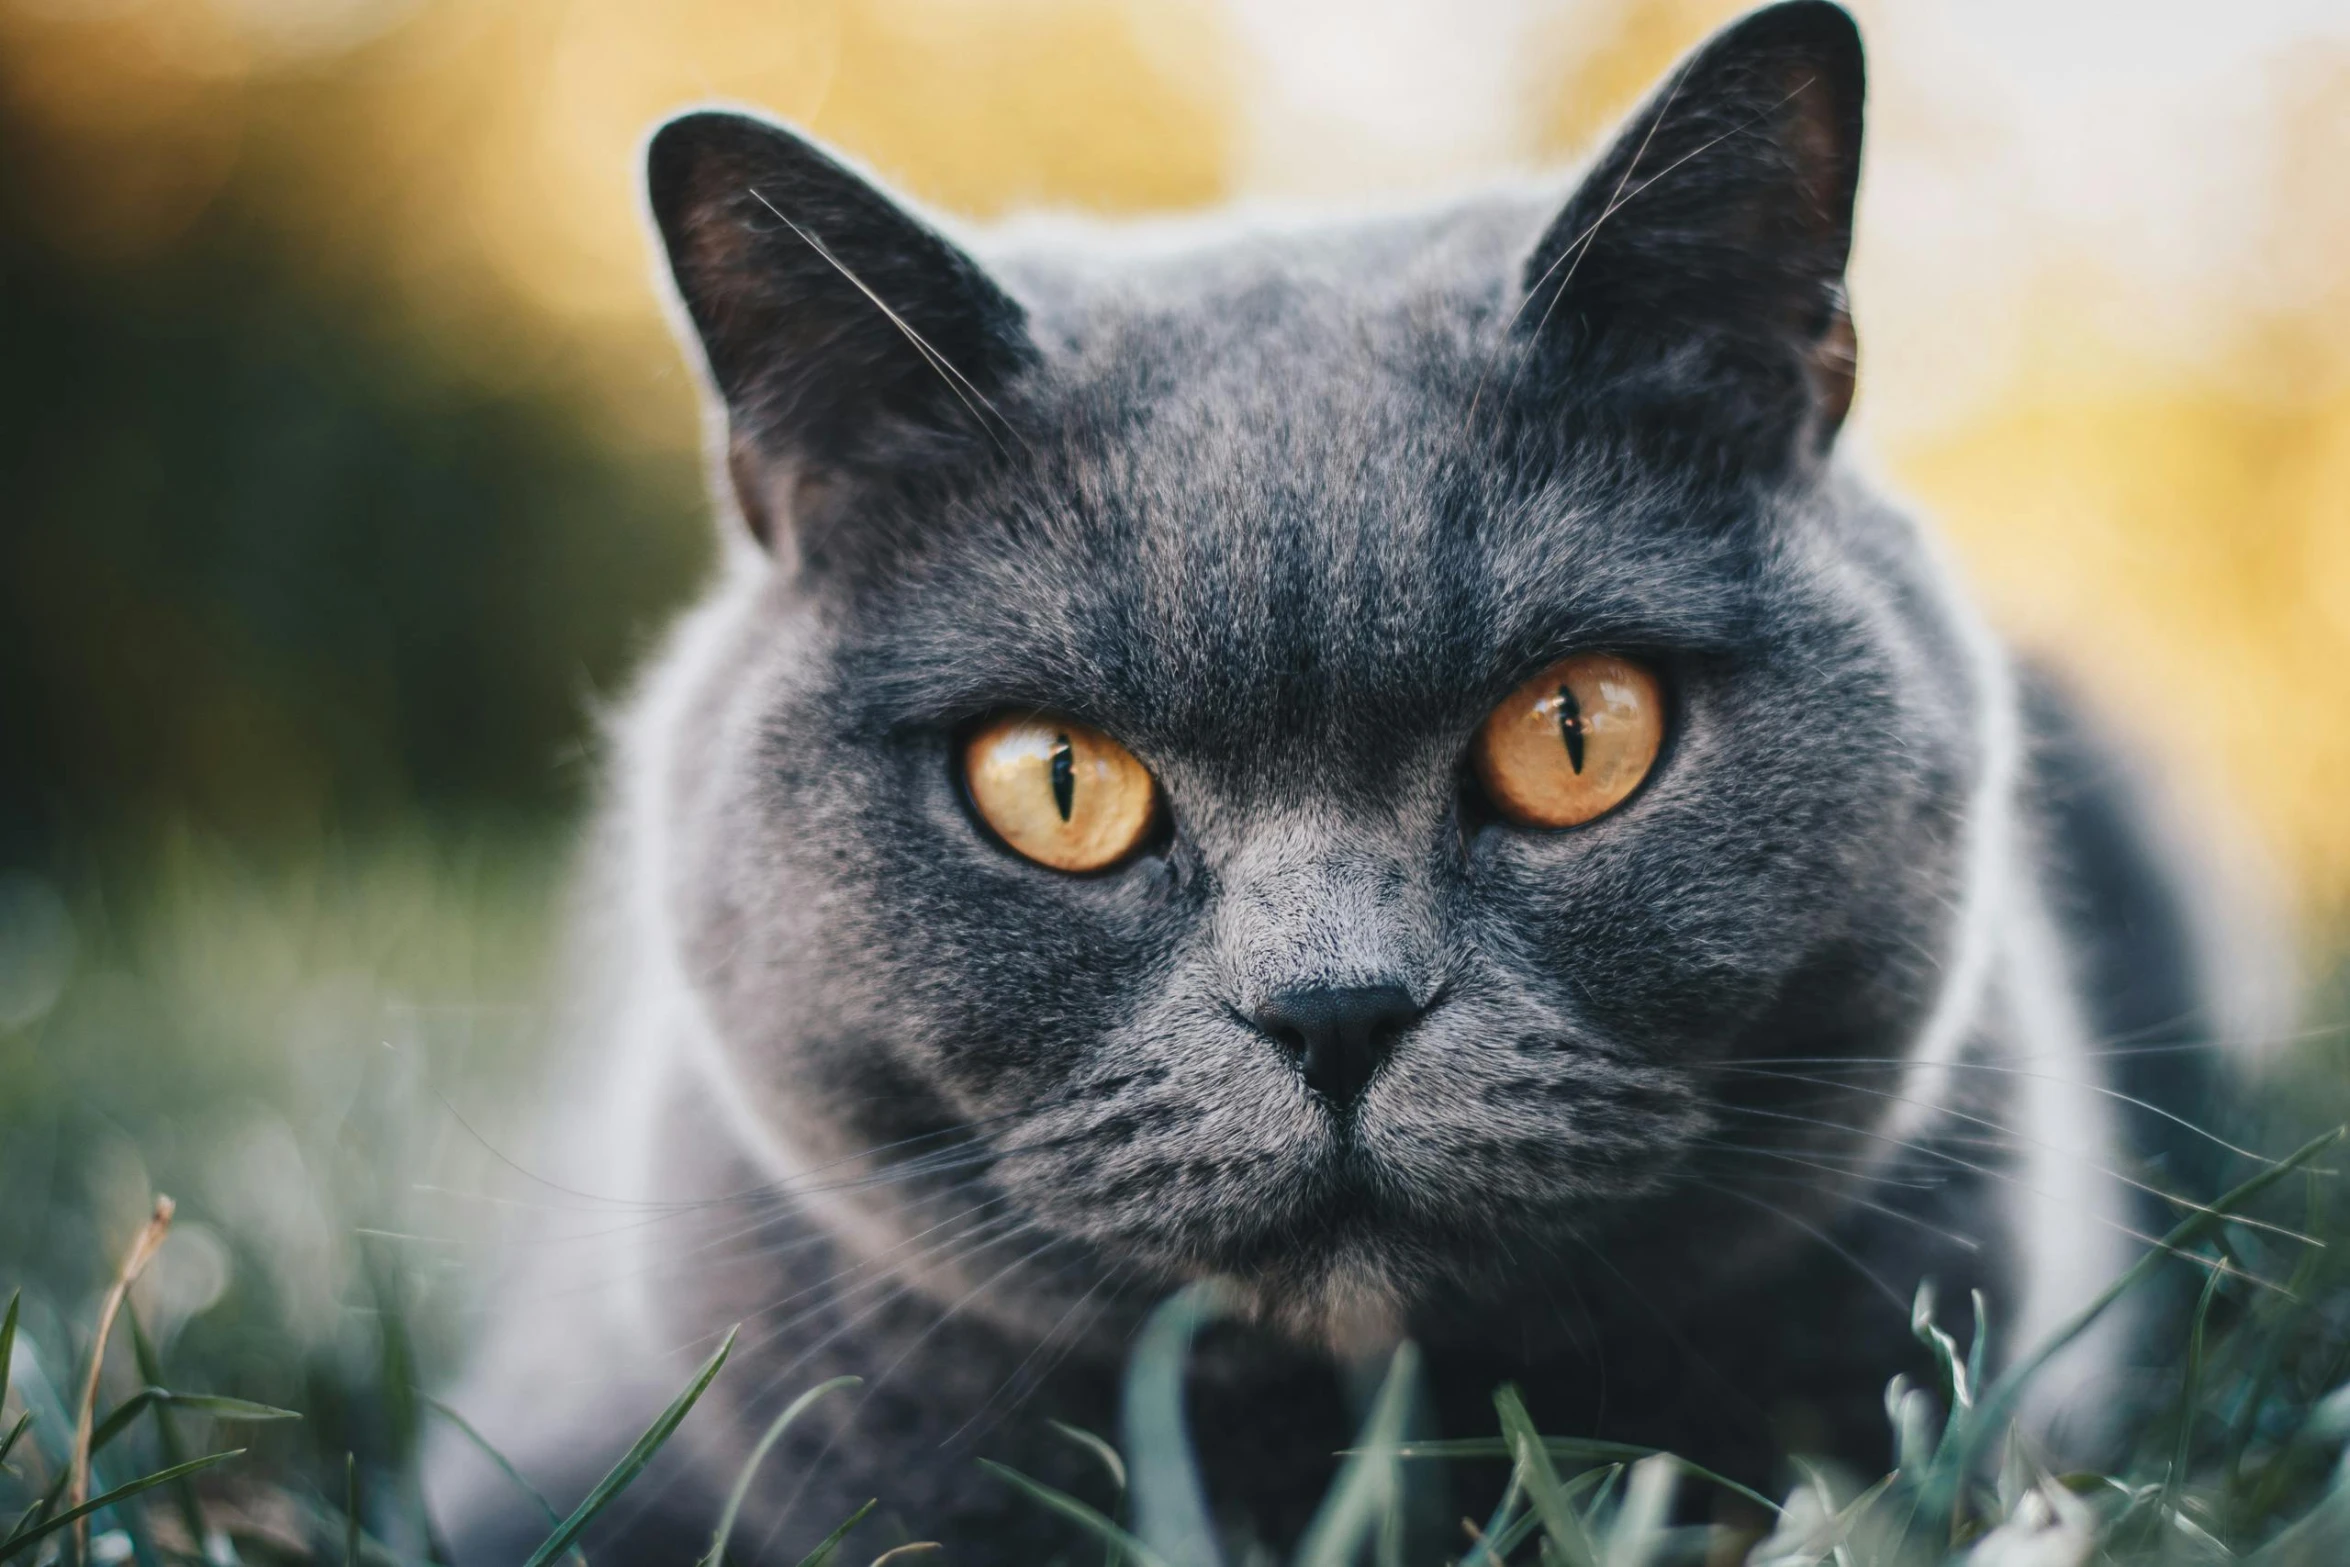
{"x": 1060, "y": 792}
{"x": 1571, "y": 744}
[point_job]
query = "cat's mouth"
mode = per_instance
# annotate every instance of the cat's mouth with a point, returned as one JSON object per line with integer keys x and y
{"x": 1342, "y": 1224}
{"x": 1355, "y": 1264}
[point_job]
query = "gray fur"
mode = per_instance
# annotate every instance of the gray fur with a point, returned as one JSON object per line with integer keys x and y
{"x": 1287, "y": 511}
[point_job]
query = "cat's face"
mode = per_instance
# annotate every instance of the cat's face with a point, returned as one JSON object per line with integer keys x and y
{"x": 1285, "y": 521}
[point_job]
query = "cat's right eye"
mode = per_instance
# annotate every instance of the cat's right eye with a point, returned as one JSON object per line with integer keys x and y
{"x": 1060, "y": 792}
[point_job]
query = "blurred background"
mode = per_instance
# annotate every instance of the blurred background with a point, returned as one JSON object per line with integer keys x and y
{"x": 346, "y": 468}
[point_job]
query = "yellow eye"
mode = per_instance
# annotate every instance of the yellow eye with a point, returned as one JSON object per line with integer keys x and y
{"x": 1061, "y": 792}
{"x": 1571, "y": 743}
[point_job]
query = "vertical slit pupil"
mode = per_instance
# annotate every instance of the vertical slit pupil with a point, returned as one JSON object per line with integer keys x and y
{"x": 1065, "y": 775}
{"x": 1571, "y": 728}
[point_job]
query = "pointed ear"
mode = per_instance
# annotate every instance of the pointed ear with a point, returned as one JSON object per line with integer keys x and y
{"x": 1702, "y": 260}
{"x": 849, "y": 339}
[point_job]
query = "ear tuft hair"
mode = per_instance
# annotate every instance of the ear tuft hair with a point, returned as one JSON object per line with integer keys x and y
{"x": 847, "y": 336}
{"x": 1712, "y": 236}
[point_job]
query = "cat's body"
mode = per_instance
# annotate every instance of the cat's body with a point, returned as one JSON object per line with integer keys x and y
{"x": 1692, "y": 1096}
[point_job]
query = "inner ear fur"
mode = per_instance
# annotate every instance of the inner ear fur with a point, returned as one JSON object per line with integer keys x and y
{"x": 1704, "y": 254}
{"x": 849, "y": 339}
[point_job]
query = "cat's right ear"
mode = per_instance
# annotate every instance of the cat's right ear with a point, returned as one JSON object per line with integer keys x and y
{"x": 848, "y": 338}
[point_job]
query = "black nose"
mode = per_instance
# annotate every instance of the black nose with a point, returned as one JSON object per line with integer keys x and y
{"x": 1338, "y": 1038}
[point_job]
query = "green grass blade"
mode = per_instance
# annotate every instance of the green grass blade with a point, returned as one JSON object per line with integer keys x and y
{"x": 1366, "y": 1487}
{"x": 1100, "y": 1449}
{"x": 1108, "y": 1457}
{"x": 1560, "y": 1527}
{"x": 399, "y": 1391}
{"x": 1994, "y": 1406}
{"x": 42, "y": 1507}
{"x": 350, "y": 1510}
{"x": 1638, "y": 1532}
{"x": 1575, "y": 1449}
{"x": 1499, "y": 1548}
{"x": 1828, "y": 1537}
{"x": 24, "y": 1420}
{"x": 910, "y": 1548}
{"x": 2190, "y": 1394}
{"x": 1077, "y": 1512}
{"x": 488, "y": 1450}
{"x": 8, "y": 1340}
{"x": 1519, "y": 1532}
{"x": 1170, "y": 1505}
{"x": 1487, "y": 1548}
{"x": 214, "y": 1406}
{"x": 2320, "y": 1535}
{"x": 324, "y": 1520}
{"x": 831, "y": 1542}
{"x": 119, "y": 1419}
{"x": 742, "y": 1482}
{"x": 1948, "y": 1364}
{"x": 18, "y": 1543}
{"x": 1978, "y": 1352}
{"x": 167, "y": 1437}
{"x": 632, "y": 1463}
{"x": 2269, "y": 1360}
{"x": 158, "y": 1399}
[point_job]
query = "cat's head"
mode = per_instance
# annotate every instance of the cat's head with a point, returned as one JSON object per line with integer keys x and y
{"x": 1088, "y": 788}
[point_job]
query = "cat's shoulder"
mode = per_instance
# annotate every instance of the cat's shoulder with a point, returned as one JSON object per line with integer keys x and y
{"x": 2171, "y": 918}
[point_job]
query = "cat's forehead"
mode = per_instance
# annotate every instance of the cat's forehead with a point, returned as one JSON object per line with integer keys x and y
{"x": 1288, "y": 542}
{"x": 1322, "y": 392}
{"x": 1070, "y": 273}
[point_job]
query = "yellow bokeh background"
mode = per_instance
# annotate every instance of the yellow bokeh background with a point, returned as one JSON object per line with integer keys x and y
{"x": 2172, "y": 526}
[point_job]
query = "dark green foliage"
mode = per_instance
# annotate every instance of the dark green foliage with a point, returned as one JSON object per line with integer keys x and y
{"x": 269, "y": 566}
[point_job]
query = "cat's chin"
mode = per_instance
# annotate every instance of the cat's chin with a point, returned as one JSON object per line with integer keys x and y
{"x": 1348, "y": 1306}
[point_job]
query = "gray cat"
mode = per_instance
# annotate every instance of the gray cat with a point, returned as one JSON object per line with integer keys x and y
{"x": 1388, "y": 763}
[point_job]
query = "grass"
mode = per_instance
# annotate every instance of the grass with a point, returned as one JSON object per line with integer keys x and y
{"x": 317, "y": 1024}
{"x": 2249, "y": 1466}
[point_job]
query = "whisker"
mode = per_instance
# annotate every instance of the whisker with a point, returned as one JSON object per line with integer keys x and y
{"x": 971, "y": 1240}
{"x": 1857, "y": 1170}
{"x": 1731, "y": 1390}
{"x": 1848, "y": 1199}
{"x": 956, "y": 382}
{"x": 1013, "y": 1379}
{"x": 1835, "y": 1247}
{"x": 1991, "y": 1173}
{"x": 709, "y": 1257}
{"x": 2099, "y": 1166}
{"x": 657, "y": 1207}
{"x": 1765, "y": 1069}
{"x": 816, "y": 1463}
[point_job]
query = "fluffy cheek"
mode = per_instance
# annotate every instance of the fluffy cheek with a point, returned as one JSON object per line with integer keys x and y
{"x": 1668, "y": 931}
{"x": 1775, "y": 827}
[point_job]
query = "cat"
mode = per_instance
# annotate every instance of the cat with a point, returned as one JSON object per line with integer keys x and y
{"x": 1391, "y": 763}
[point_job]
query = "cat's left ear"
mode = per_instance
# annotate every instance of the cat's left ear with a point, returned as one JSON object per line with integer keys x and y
{"x": 852, "y": 342}
{"x": 1701, "y": 263}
